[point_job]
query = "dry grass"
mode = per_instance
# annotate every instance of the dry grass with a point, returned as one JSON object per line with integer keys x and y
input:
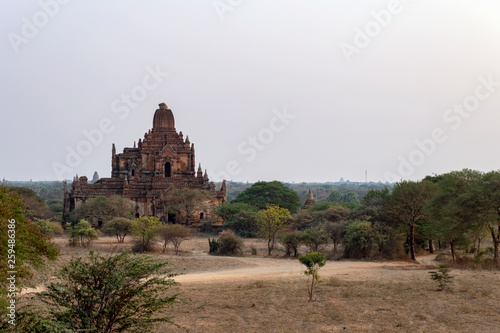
{"x": 353, "y": 296}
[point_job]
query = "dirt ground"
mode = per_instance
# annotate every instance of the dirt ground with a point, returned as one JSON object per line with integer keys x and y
{"x": 257, "y": 293}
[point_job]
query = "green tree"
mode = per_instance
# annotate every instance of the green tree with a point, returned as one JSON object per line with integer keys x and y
{"x": 407, "y": 202}
{"x": 315, "y": 237}
{"x": 262, "y": 194}
{"x": 450, "y": 222}
{"x": 270, "y": 221}
{"x": 349, "y": 199}
{"x": 117, "y": 293}
{"x": 119, "y": 227}
{"x": 31, "y": 247}
{"x": 313, "y": 262}
{"x": 239, "y": 217}
{"x": 49, "y": 228}
{"x": 173, "y": 233}
{"x": 82, "y": 234}
{"x": 335, "y": 230}
{"x": 145, "y": 231}
{"x": 360, "y": 239}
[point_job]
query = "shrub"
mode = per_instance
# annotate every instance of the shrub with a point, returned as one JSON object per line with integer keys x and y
{"x": 48, "y": 227}
{"x": 229, "y": 243}
{"x": 361, "y": 239}
{"x": 118, "y": 293}
{"x": 145, "y": 231}
{"x": 82, "y": 234}
{"x": 442, "y": 277}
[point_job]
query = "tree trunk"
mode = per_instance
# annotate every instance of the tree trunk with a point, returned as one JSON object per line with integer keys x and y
{"x": 412, "y": 241}
{"x": 269, "y": 247}
{"x": 311, "y": 292}
{"x": 452, "y": 247}
{"x": 496, "y": 240}
{"x": 431, "y": 246}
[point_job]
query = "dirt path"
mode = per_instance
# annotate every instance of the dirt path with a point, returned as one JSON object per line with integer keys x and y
{"x": 259, "y": 268}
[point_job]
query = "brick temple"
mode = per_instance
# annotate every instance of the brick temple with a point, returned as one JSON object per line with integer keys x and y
{"x": 148, "y": 173}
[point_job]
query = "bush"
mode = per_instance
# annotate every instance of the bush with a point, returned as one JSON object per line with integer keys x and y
{"x": 48, "y": 227}
{"x": 119, "y": 227}
{"x": 291, "y": 241}
{"x": 145, "y": 231}
{"x": 82, "y": 234}
{"x": 442, "y": 277}
{"x": 229, "y": 244}
{"x": 118, "y": 293}
{"x": 315, "y": 237}
{"x": 313, "y": 262}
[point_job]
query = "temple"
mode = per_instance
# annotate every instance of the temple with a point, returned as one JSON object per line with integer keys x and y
{"x": 146, "y": 174}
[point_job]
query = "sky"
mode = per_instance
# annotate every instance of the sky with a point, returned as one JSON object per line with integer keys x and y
{"x": 289, "y": 90}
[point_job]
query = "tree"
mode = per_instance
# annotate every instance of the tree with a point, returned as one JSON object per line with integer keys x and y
{"x": 228, "y": 243}
{"x": 31, "y": 247}
{"x": 450, "y": 222}
{"x": 270, "y": 221}
{"x": 315, "y": 237}
{"x": 407, "y": 202}
{"x": 117, "y": 293}
{"x": 291, "y": 241}
{"x": 360, "y": 239}
{"x": 239, "y": 217}
{"x": 174, "y": 233}
{"x": 103, "y": 209}
{"x": 349, "y": 199}
{"x": 481, "y": 203}
{"x": 313, "y": 262}
{"x": 262, "y": 194}
{"x": 145, "y": 230}
{"x": 335, "y": 231}
{"x": 49, "y": 228}
{"x": 187, "y": 202}
{"x": 82, "y": 234}
{"x": 119, "y": 227}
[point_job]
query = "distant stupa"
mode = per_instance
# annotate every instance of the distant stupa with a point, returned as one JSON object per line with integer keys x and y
{"x": 95, "y": 178}
{"x": 309, "y": 201}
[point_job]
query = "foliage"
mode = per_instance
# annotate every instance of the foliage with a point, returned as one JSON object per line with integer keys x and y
{"x": 119, "y": 227}
{"x": 407, "y": 202}
{"x": 442, "y": 277}
{"x": 313, "y": 262}
{"x": 31, "y": 248}
{"x": 360, "y": 239}
{"x": 349, "y": 199}
{"x": 229, "y": 244}
{"x": 291, "y": 241}
{"x": 82, "y": 234}
{"x": 262, "y": 194}
{"x": 186, "y": 202}
{"x": 213, "y": 246}
{"x": 34, "y": 206}
{"x": 270, "y": 221}
{"x": 49, "y": 228}
{"x": 315, "y": 237}
{"x": 173, "y": 233}
{"x": 103, "y": 209}
{"x": 336, "y": 231}
{"x": 118, "y": 293}
{"x": 239, "y": 217}
{"x": 145, "y": 231}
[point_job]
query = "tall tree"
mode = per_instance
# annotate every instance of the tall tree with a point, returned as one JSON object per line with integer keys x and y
{"x": 270, "y": 221}
{"x": 407, "y": 202}
{"x": 103, "y": 209}
{"x": 262, "y": 194}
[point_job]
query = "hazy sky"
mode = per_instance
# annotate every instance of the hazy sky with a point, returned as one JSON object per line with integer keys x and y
{"x": 293, "y": 90}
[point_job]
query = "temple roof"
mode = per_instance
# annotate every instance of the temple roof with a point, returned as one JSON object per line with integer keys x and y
{"x": 163, "y": 119}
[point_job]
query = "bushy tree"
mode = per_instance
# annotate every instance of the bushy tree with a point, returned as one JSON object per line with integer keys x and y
{"x": 82, "y": 234}
{"x": 360, "y": 239}
{"x": 117, "y": 293}
{"x": 262, "y": 194}
{"x": 315, "y": 237}
{"x": 32, "y": 248}
{"x": 335, "y": 230}
{"x": 186, "y": 202}
{"x": 119, "y": 227}
{"x": 145, "y": 231}
{"x": 173, "y": 233}
{"x": 48, "y": 227}
{"x": 349, "y": 199}
{"x": 103, "y": 209}
{"x": 291, "y": 241}
{"x": 239, "y": 217}
{"x": 270, "y": 221}
{"x": 313, "y": 262}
